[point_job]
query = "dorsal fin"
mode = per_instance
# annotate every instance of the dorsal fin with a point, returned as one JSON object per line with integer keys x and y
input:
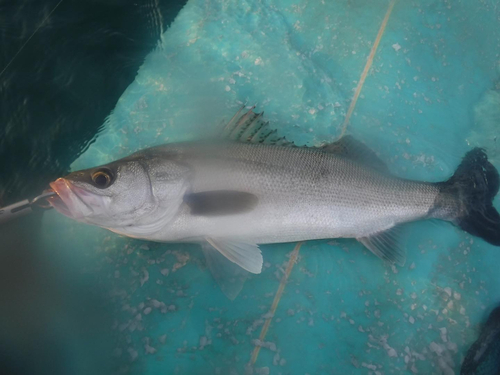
{"x": 252, "y": 128}
{"x": 353, "y": 149}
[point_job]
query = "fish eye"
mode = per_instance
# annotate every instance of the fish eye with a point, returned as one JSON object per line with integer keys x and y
{"x": 102, "y": 178}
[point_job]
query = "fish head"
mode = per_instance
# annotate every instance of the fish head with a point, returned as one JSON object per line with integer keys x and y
{"x": 128, "y": 193}
{"x": 110, "y": 195}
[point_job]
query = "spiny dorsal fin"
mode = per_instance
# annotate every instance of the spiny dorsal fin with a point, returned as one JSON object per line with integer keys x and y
{"x": 353, "y": 149}
{"x": 251, "y": 128}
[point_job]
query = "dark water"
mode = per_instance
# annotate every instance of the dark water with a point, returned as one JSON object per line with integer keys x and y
{"x": 63, "y": 65}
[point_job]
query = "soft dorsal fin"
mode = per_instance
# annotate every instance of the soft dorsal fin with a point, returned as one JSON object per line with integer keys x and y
{"x": 353, "y": 149}
{"x": 250, "y": 127}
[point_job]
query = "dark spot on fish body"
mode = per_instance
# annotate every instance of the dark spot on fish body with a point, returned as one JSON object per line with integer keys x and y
{"x": 365, "y": 203}
{"x": 323, "y": 172}
{"x": 164, "y": 177}
{"x": 220, "y": 203}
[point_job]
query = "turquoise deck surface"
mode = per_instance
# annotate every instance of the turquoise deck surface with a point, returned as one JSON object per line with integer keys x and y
{"x": 343, "y": 311}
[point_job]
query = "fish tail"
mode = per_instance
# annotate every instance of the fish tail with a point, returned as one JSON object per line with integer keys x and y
{"x": 466, "y": 199}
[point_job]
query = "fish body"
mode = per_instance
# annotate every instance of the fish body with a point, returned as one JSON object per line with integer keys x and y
{"x": 301, "y": 194}
{"x": 255, "y": 188}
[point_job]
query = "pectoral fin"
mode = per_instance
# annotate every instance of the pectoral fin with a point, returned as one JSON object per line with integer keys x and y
{"x": 245, "y": 255}
{"x": 230, "y": 262}
{"x": 386, "y": 245}
{"x": 229, "y": 276}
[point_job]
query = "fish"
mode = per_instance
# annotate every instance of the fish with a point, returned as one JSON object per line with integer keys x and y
{"x": 250, "y": 186}
{"x": 483, "y": 356}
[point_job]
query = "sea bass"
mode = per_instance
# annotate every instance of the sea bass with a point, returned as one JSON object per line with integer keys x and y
{"x": 252, "y": 187}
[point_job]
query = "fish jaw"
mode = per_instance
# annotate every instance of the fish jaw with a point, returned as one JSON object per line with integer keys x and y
{"x": 71, "y": 200}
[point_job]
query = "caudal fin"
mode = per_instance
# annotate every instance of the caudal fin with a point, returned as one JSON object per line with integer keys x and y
{"x": 467, "y": 197}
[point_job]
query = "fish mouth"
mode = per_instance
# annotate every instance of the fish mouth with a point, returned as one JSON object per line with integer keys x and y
{"x": 68, "y": 200}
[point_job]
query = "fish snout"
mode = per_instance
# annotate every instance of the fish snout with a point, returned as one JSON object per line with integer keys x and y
{"x": 69, "y": 199}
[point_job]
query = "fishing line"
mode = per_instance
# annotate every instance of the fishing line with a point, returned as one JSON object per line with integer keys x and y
{"x": 367, "y": 68}
{"x": 276, "y": 301}
{"x": 295, "y": 253}
{"x": 32, "y": 35}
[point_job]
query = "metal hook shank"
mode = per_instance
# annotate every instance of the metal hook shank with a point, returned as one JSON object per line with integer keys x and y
{"x": 25, "y": 207}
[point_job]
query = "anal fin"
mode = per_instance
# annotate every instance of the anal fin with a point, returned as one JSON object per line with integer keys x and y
{"x": 386, "y": 245}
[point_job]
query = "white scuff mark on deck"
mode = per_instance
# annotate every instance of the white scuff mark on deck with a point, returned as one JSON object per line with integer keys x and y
{"x": 145, "y": 276}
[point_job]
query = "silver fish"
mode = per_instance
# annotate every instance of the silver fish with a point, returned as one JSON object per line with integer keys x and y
{"x": 255, "y": 188}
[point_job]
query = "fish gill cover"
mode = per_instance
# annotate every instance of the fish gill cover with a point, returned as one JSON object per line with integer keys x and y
{"x": 300, "y": 61}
